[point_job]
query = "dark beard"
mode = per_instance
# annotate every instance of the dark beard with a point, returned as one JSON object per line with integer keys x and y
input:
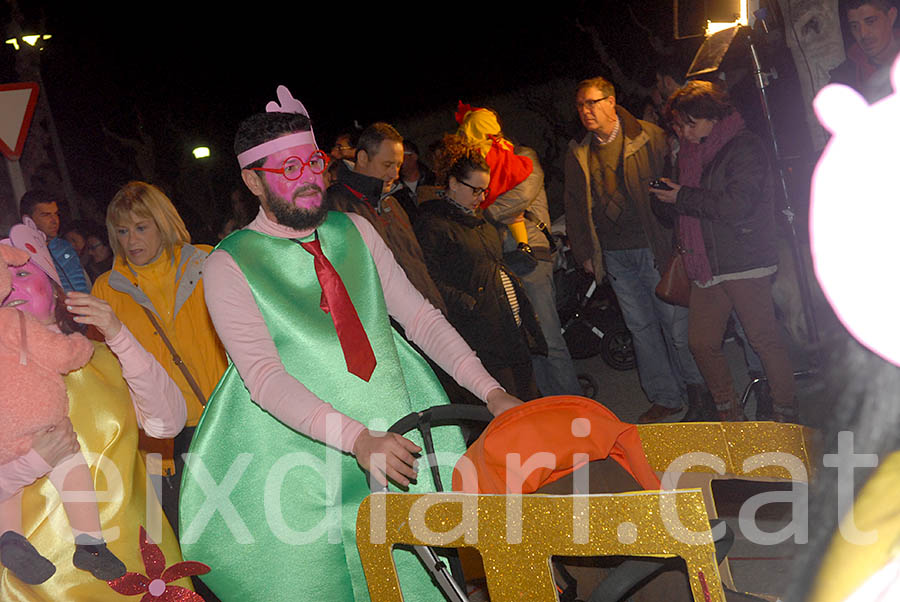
{"x": 294, "y": 217}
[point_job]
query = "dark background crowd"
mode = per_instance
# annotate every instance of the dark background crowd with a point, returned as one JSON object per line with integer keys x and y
{"x": 131, "y": 97}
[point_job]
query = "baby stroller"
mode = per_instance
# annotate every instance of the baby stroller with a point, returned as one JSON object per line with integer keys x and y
{"x": 619, "y": 447}
{"x": 590, "y": 317}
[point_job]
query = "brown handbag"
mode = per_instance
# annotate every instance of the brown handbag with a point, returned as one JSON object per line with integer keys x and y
{"x": 675, "y": 287}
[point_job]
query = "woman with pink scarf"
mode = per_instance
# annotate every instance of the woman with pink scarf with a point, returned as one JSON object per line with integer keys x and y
{"x": 726, "y": 226}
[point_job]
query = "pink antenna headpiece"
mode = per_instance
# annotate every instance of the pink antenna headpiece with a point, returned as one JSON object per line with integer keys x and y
{"x": 288, "y": 104}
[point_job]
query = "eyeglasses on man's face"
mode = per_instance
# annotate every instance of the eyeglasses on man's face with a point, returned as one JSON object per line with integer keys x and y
{"x": 590, "y": 103}
{"x": 292, "y": 167}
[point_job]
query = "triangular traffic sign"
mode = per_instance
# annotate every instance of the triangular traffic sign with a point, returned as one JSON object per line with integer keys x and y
{"x": 17, "y": 102}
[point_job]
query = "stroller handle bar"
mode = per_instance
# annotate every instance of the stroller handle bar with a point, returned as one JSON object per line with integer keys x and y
{"x": 440, "y": 415}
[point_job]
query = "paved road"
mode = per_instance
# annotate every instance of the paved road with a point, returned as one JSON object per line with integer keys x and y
{"x": 756, "y": 568}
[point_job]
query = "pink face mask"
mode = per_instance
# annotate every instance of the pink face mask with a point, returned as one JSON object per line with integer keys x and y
{"x": 31, "y": 292}
{"x": 304, "y": 192}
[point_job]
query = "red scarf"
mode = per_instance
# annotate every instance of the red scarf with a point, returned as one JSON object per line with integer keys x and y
{"x": 692, "y": 158}
{"x": 508, "y": 170}
{"x": 481, "y": 128}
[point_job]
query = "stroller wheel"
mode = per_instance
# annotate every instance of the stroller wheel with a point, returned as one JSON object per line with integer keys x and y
{"x": 581, "y": 339}
{"x": 617, "y": 350}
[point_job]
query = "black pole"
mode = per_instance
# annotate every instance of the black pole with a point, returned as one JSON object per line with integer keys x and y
{"x": 788, "y": 211}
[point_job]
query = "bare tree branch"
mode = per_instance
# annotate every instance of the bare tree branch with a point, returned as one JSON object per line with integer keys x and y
{"x": 625, "y": 84}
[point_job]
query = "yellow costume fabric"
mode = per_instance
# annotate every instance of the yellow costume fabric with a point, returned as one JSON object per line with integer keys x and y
{"x": 189, "y": 329}
{"x": 102, "y": 414}
{"x": 877, "y": 508}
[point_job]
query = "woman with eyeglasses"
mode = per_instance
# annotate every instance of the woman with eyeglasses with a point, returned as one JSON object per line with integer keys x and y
{"x": 155, "y": 287}
{"x": 485, "y": 300}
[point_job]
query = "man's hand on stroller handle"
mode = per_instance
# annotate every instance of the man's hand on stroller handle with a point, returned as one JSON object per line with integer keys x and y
{"x": 387, "y": 454}
{"x": 498, "y": 401}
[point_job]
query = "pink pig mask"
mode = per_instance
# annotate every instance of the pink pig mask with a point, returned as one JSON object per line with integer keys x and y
{"x": 32, "y": 292}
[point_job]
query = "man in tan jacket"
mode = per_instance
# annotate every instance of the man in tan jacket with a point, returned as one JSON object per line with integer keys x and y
{"x": 612, "y": 230}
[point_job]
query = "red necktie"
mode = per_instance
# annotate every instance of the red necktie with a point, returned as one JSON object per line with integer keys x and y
{"x": 336, "y": 301}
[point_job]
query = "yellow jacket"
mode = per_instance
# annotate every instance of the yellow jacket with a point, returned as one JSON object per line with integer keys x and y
{"x": 172, "y": 288}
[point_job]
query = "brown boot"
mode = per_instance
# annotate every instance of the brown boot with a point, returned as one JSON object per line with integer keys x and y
{"x": 790, "y": 413}
{"x": 701, "y": 407}
{"x": 657, "y": 413}
{"x": 730, "y": 411}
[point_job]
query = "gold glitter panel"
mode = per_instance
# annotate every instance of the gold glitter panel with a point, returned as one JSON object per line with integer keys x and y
{"x": 734, "y": 443}
{"x": 517, "y": 552}
{"x": 681, "y": 447}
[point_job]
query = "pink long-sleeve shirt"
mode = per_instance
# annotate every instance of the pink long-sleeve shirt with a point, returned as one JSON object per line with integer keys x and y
{"x": 243, "y": 331}
{"x": 158, "y": 405}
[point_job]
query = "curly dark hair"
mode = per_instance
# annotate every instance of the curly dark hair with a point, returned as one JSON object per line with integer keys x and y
{"x": 698, "y": 100}
{"x": 64, "y": 319}
{"x": 263, "y": 127}
{"x": 456, "y": 157}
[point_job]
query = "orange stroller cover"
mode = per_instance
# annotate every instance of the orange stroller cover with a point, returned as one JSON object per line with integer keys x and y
{"x": 553, "y": 437}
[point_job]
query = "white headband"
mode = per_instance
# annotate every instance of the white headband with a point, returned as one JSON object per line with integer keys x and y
{"x": 289, "y": 104}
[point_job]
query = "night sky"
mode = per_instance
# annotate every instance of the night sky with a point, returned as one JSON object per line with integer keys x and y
{"x": 193, "y": 70}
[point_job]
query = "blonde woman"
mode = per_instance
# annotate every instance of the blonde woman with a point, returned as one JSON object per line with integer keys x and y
{"x": 155, "y": 287}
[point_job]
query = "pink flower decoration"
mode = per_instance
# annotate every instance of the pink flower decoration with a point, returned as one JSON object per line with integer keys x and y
{"x": 155, "y": 584}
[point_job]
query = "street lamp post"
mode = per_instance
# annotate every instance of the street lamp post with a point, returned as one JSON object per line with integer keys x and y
{"x": 34, "y": 43}
{"x": 202, "y": 154}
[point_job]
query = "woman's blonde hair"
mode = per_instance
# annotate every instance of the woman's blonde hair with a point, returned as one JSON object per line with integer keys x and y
{"x": 149, "y": 202}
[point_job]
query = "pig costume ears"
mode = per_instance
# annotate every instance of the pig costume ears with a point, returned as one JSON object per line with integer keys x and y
{"x": 28, "y": 238}
{"x": 9, "y": 256}
{"x": 855, "y": 214}
{"x": 286, "y": 104}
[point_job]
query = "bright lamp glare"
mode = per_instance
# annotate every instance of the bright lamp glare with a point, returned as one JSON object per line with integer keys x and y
{"x": 13, "y": 42}
{"x": 31, "y": 40}
{"x": 201, "y": 152}
{"x": 714, "y": 27}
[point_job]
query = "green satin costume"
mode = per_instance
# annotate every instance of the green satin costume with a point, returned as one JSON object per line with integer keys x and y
{"x": 102, "y": 415}
{"x": 261, "y": 554}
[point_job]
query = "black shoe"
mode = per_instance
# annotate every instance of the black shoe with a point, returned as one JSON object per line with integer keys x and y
{"x": 92, "y": 555}
{"x": 763, "y": 394}
{"x": 701, "y": 407}
{"x": 19, "y": 556}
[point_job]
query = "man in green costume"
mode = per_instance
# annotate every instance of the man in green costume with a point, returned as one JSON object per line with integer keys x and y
{"x": 301, "y": 298}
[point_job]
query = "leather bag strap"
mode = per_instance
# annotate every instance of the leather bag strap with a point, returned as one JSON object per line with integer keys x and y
{"x": 542, "y": 227}
{"x": 176, "y": 358}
